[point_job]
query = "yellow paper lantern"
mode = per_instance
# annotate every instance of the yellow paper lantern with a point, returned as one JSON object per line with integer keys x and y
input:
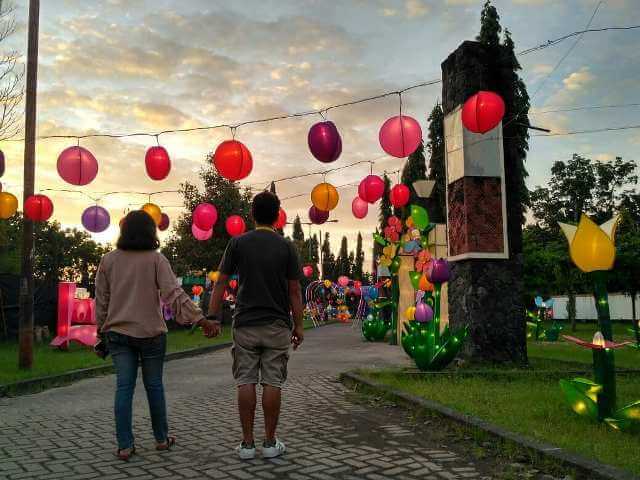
{"x": 324, "y": 196}
{"x": 8, "y": 205}
{"x": 327, "y": 283}
{"x": 213, "y": 276}
{"x": 154, "y": 211}
{"x": 592, "y": 247}
{"x": 410, "y": 313}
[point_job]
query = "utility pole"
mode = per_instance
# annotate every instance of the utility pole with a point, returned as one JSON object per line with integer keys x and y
{"x": 25, "y": 359}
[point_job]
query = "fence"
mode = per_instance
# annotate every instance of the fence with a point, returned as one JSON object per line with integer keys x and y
{"x": 619, "y": 307}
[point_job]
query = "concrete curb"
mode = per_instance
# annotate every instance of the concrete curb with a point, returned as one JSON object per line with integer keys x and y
{"x": 35, "y": 385}
{"x": 591, "y": 469}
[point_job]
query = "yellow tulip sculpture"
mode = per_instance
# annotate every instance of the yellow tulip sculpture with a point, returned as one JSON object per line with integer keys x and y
{"x": 592, "y": 247}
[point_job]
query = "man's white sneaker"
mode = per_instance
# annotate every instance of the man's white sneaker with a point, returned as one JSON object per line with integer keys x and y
{"x": 246, "y": 452}
{"x": 274, "y": 450}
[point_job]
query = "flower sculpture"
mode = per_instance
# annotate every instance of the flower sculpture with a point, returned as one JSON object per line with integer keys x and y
{"x": 536, "y": 322}
{"x": 422, "y": 260}
{"x": 375, "y": 326}
{"x": 592, "y": 250}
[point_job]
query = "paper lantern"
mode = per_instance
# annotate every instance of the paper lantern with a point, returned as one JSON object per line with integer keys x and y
{"x": 233, "y": 284}
{"x": 400, "y": 136}
{"x": 213, "y": 276}
{"x": 235, "y": 225}
{"x": 307, "y": 270}
{"x": 343, "y": 280}
{"x": 233, "y": 160}
{"x": 280, "y": 223}
{"x": 371, "y": 188}
{"x": 200, "y": 234}
{"x": 197, "y": 290}
{"x": 359, "y": 207}
{"x": 95, "y": 219}
{"x": 164, "y": 222}
{"x": 77, "y": 166}
{"x": 399, "y": 195}
{"x": 318, "y": 216}
{"x": 324, "y": 196}
{"x": 38, "y": 208}
{"x": 205, "y": 216}
{"x": 423, "y": 313}
{"x": 157, "y": 163}
{"x": 2, "y": 164}
{"x": 325, "y": 142}
{"x": 8, "y": 205}
{"x": 154, "y": 212}
{"x": 483, "y": 112}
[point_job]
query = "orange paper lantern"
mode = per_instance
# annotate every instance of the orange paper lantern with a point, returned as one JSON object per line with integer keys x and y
{"x": 324, "y": 196}
{"x": 154, "y": 212}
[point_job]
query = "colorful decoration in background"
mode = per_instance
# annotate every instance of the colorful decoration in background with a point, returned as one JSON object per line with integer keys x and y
{"x": 399, "y": 195}
{"x": 38, "y": 208}
{"x": 592, "y": 249}
{"x": 376, "y": 326}
{"x": 400, "y": 136}
{"x": 371, "y": 188}
{"x": 235, "y": 225}
{"x": 483, "y": 112}
{"x": 233, "y": 160}
{"x": 200, "y": 234}
{"x": 76, "y": 317}
{"x": 205, "y": 216}
{"x": 325, "y": 142}
{"x": 157, "y": 163}
{"x": 537, "y": 331}
{"x": 281, "y": 221}
{"x": 154, "y": 212}
{"x": 196, "y": 291}
{"x": 317, "y": 216}
{"x": 96, "y": 219}
{"x": 307, "y": 271}
{"x": 77, "y": 166}
{"x": 324, "y": 196}
{"x": 213, "y": 276}
{"x": 164, "y": 222}
{"x": 359, "y": 208}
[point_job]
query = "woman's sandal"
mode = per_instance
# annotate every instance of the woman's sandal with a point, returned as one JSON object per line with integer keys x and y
{"x": 125, "y": 454}
{"x": 167, "y": 444}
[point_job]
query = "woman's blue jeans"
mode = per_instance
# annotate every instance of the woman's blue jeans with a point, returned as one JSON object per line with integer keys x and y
{"x": 127, "y": 353}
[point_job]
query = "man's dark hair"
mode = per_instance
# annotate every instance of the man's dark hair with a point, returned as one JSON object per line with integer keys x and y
{"x": 138, "y": 232}
{"x": 265, "y": 208}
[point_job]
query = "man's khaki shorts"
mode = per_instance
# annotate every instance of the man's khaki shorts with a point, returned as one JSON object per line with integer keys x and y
{"x": 261, "y": 353}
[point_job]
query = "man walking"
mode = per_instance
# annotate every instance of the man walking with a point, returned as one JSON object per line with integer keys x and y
{"x": 269, "y": 274}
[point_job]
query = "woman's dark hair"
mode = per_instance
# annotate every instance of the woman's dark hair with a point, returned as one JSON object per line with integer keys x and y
{"x": 265, "y": 208}
{"x": 138, "y": 232}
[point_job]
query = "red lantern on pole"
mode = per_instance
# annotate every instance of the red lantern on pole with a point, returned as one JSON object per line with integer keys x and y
{"x": 38, "y": 208}
{"x": 205, "y": 216}
{"x": 371, "y": 188}
{"x": 483, "y": 112}
{"x": 233, "y": 160}
{"x": 157, "y": 163}
{"x": 399, "y": 195}
{"x": 281, "y": 221}
{"x": 235, "y": 225}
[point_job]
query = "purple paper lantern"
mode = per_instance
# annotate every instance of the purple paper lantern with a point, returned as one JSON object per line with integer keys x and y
{"x": 95, "y": 219}
{"x": 438, "y": 271}
{"x": 424, "y": 313}
{"x": 2, "y": 163}
{"x": 325, "y": 142}
{"x": 164, "y": 222}
{"x": 318, "y": 216}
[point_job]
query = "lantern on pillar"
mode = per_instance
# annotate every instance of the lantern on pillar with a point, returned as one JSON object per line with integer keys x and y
{"x": 483, "y": 112}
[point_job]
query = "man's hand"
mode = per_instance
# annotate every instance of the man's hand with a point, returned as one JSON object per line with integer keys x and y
{"x": 297, "y": 337}
{"x": 210, "y": 328}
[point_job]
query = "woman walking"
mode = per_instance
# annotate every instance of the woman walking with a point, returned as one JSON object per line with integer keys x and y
{"x": 130, "y": 283}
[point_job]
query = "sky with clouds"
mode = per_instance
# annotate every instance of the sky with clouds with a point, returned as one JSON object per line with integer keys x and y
{"x": 139, "y": 65}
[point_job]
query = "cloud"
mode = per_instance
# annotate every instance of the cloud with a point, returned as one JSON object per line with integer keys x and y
{"x": 389, "y": 12}
{"x": 416, "y": 8}
{"x": 578, "y": 80}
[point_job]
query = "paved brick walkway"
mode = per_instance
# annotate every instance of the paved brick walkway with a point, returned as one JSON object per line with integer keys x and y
{"x": 68, "y": 432}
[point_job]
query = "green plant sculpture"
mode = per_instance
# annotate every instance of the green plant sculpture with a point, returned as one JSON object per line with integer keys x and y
{"x": 375, "y": 326}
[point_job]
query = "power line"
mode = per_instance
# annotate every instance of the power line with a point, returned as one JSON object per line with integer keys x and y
{"x": 576, "y": 108}
{"x": 551, "y": 43}
{"x": 595, "y": 130}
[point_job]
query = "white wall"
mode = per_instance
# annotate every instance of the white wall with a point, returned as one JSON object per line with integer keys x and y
{"x": 619, "y": 307}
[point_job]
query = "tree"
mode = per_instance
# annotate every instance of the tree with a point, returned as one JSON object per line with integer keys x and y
{"x": 328, "y": 260}
{"x": 436, "y": 203}
{"x": 385, "y": 203}
{"x": 414, "y": 169}
{"x": 11, "y": 76}
{"x": 490, "y": 27}
{"x": 358, "y": 266}
{"x": 187, "y": 254}
{"x": 342, "y": 262}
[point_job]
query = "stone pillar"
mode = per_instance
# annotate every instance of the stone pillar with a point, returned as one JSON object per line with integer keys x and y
{"x": 484, "y": 229}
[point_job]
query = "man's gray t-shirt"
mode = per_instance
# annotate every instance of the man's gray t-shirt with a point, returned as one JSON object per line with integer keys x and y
{"x": 265, "y": 262}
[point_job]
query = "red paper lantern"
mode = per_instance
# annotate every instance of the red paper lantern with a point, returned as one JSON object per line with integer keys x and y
{"x": 399, "y": 195}
{"x": 359, "y": 207}
{"x": 233, "y": 284}
{"x": 77, "y": 165}
{"x": 235, "y": 225}
{"x": 157, "y": 163}
{"x": 233, "y": 160}
{"x": 371, "y": 188}
{"x": 307, "y": 270}
{"x": 318, "y": 216}
{"x": 38, "y": 208}
{"x": 205, "y": 216}
{"x": 281, "y": 221}
{"x": 164, "y": 222}
{"x": 483, "y": 112}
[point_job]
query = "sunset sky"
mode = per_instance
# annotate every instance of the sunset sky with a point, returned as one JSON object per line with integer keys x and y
{"x": 117, "y": 66}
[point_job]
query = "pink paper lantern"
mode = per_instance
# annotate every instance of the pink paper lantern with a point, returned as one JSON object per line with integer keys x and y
{"x": 325, "y": 142}
{"x": 359, "y": 207}
{"x": 77, "y": 166}
{"x": 400, "y": 136}
{"x": 343, "y": 280}
{"x": 307, "y": 270}
{"x": 318, "y": 216}
{"x": 483, "y": 112}
{"x": 399, "y": 195}
{"x": 200, "y": 234}
{"x": 371, "y": 188}
{"x": 235, "y": 225}
{"x": 205, "y": 216}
